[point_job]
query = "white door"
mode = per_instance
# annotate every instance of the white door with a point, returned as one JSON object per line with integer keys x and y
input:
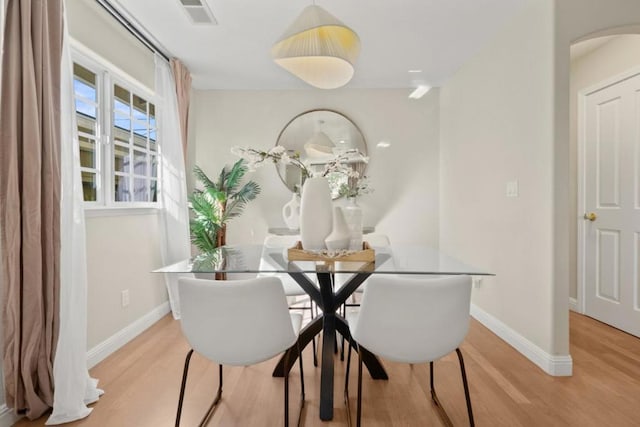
{"x": 611, "y": 138}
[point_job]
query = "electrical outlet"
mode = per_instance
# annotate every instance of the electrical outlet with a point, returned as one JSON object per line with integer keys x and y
{"x": 477, "y": 282}
{"x": 512, "y": 189}
{"x": 125, "y": 297}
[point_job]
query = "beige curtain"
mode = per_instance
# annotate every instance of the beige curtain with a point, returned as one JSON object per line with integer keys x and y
{"x": 30, "y": 195}
{"x": 183, "y": 91}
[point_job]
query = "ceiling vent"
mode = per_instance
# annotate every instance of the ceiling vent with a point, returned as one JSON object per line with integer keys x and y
{"x": 199, "y": 12}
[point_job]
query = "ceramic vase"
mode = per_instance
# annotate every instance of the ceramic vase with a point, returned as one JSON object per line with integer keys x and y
{"x": 353, "y": 217}
{"x": 340, "y": 235}
{"x": 291, "y": 212}
{"x": 316, "y": 213}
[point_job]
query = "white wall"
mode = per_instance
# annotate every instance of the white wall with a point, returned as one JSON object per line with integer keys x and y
{"x": 405, "y": 176}
{"x": 122, "y": 251}
{"x": 497, "y": 127}
{"x": 611, "y": 59}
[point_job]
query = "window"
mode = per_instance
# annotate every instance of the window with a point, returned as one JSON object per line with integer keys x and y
{"x": 117, "y": 132}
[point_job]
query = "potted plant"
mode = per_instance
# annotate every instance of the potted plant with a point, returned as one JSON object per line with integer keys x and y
{"x": 217, "y": 203}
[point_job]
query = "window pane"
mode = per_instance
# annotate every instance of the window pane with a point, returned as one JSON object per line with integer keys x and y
{"x": 140, "y": 163}
{"x": 140, "y": 190}
{"x": 87, "y": 152}
{"x": 154, "y": 190}
{"x": 84, "y": 90}
{"x": 140, "y": 135}
{"x": 152, "y": 115}
{"x": 154, "y": 166}
{"x": 86, "y": 124}
{"x": 140, "y": 108}
{"x": 120, "y": 158}
{"x": 84, "y": 82}
{"x": 122, "y": 122}
{"x": 153, "y": 138}
{"x": 121, "y": 100}
{"x": 86, "y": 109}
{"x": 89, "y": 186}
{"x": 121, "y": 189}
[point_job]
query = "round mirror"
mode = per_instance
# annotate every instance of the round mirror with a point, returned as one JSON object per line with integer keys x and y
{"x": 318, "y": 137}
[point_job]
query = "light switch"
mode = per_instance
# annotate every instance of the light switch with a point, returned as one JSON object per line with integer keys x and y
{"x": 512, "y": 189}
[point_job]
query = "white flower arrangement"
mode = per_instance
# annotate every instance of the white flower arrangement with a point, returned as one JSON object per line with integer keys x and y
{"x": 341, "y": 163}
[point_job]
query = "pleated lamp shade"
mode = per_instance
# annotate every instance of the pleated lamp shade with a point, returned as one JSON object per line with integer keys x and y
{"x": 318, "y": 48}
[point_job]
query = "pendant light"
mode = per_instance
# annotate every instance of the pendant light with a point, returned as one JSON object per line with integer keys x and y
{"x": 318, "y": 49}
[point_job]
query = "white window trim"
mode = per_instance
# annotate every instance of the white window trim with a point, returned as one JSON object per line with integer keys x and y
{"x": 108, "y": 74}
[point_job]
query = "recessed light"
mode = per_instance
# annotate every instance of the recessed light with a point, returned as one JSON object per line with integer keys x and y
{"x": 419, "y": 92}
{"x": 383, "y": 144}
{"x": 342, "y": 141}
{"x": 415, "y": 71}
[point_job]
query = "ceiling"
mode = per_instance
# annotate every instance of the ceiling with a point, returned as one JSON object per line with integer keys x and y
{"x": 435, "y": 36}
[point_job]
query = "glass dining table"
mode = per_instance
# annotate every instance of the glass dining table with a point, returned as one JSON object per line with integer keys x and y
{"x": 329, "y": 285}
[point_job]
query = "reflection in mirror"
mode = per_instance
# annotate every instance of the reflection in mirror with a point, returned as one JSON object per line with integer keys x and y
{"x": 319, "y": 136}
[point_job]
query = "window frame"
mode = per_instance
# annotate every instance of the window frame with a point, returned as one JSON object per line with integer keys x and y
{"x": 106, "y": 76}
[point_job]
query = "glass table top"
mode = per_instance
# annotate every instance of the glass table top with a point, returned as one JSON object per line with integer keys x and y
{"x": 395, "y": 259}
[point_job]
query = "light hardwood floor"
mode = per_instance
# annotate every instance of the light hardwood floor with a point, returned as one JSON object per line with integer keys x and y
{"x": 142, "y": 381}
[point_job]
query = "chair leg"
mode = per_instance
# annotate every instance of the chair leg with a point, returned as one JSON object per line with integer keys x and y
{"x": 359, "y": 414}
{"x": 434, "y": 396}
{"x": 301, "y": 385}
{"x": 286, "y": 390}
{"x": 211, "y": 408}
{"x": 184, "y": 385}
{"x": 301, "y": 371}
{"x": 346, "y": 384}
{"x": 346, "y": 381}
{"x": 443, "y": 414}
{"x": 466, "y": 387}
{"x": 315, "y": 351}
{"x": 344, "y": 314}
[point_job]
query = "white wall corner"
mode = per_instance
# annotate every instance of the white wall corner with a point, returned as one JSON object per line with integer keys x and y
{"x": 109, "y": 346}
{"x": 573, "y": 305}
{"x": 7, "y": 416}
{"x": 556, "y": 365}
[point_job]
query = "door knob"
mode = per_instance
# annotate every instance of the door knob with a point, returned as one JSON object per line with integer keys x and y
{"x": 590, "y": 216}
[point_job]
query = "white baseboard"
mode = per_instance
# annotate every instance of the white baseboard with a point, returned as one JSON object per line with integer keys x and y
{"x": 7, "y": 416}
{"x": 107, "y": 347}
{"x": 573, "y": 305}
{"x": 553, "y": 365}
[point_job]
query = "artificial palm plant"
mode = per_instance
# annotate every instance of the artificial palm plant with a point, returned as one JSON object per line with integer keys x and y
{"x": 217, "y": 203}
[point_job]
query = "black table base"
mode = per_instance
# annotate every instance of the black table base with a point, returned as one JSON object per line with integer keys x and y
{"x": 328, "y": 322}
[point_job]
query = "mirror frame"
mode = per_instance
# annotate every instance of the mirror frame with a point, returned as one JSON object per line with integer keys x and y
{"x": 364, "y": 150}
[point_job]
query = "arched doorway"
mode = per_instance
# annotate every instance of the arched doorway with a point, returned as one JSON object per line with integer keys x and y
{"x": 604, "y": 140}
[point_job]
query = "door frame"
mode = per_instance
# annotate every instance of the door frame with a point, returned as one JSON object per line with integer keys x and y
{"x": 581, "y": 169}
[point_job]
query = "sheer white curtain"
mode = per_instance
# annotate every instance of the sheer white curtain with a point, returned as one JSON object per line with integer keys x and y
{"x": 74, "y": 389}
{"x": 173, "y": 184}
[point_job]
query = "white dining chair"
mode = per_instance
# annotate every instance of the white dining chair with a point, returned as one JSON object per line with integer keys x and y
{"x": 412, "y": 321}
{"x": 292, "y": 289}
{"x": 237, "y": 323}
{"x": 377, "y": 242}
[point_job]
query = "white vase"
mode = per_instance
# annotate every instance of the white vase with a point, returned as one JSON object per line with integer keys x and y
{"x": 291, "y": 212}
{"x": 353, "y": 217}
{"x": 340, "y": 235}
{"x": 316, "y": 213}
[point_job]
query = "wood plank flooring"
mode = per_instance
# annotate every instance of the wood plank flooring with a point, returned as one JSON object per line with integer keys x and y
{"x": 142, "y": 380}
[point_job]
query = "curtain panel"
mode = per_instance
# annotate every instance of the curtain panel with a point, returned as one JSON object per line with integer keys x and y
{"x": 74, "y": 389}
{"x": 173, "y": 182}
{"x": 182, "y": 78}
{"x": 30, "y": 194}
